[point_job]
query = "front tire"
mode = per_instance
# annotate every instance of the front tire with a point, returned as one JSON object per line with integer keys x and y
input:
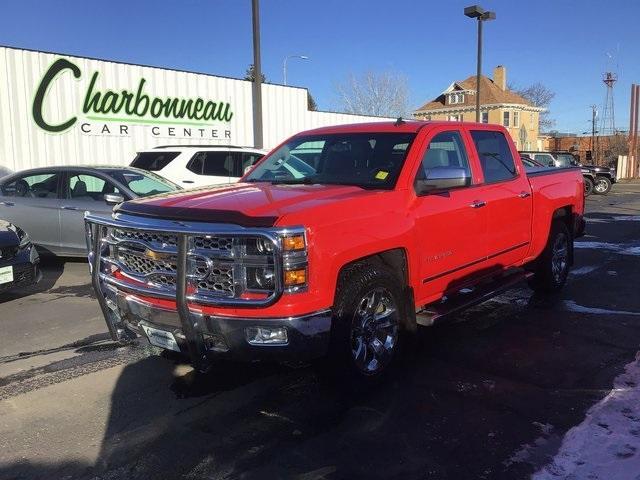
{"x": 552, "y": 267}
{"x": 588, "y": 186}
{"x": 368, "y": 331}
{"x": 602, "y": 186}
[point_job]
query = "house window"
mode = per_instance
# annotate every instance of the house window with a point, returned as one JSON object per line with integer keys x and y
{"x": 456, "y": 98}
{"x": 484, "y": 117}
{"x": 516, "y": 119}
{"x": 505, "y": 119}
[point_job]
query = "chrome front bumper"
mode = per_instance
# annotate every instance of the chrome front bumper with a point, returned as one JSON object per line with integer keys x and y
{"x": 220, "y": 336}
{"x": 202, "y": 337}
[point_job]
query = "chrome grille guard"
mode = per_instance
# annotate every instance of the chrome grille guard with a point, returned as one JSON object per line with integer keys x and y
{"x": 186, "y": 292}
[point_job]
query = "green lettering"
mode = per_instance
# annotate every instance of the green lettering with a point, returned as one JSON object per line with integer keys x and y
{"x": 38, "y": 101}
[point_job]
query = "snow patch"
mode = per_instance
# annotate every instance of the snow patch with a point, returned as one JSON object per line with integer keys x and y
{"x": 623, "y": 249}
{"x": 606, "y": 445}
{"x": 584, "y": 270}
{"x": 574, "y": 307}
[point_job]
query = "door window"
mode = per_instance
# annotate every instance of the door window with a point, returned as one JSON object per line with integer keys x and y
{"x": 446, "y": 149}
{"x": 219, "y": 164}
{"x": 88, "y": 187}
{"x": 546, "y": 160}
{"x": 153, "y": 161}
{"x": 495, "y": 155}
{"x": 249, "y": 159}
{"x": 43, "y": 185}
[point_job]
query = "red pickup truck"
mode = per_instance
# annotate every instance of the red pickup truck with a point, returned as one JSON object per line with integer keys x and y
{"x": 338, "y": 243}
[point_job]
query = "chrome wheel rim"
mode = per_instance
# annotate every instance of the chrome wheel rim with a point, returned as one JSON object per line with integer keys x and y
{"x": 601, "y": 186}
{"x": 559, "y": 257}
{"x": 374, "y": 332}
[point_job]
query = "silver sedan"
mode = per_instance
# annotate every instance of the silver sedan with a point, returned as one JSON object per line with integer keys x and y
{"x": 49, "y": 203}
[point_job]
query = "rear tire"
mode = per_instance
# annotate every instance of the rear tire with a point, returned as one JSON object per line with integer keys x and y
{"x": 602, "y": 186}
{"x": 368, "y": 330}
{"x": 588, "y": 186}
{"x": 552, "y": 267}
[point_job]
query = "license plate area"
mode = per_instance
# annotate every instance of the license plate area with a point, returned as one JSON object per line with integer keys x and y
{"x": 161, "y": 338}
{"x": 6, "y": 274}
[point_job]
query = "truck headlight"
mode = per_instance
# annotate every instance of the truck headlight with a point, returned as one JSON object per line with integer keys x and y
{"x": 259, "y": 278}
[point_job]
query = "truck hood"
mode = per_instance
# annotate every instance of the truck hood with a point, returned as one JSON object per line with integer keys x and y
{"x": 246, "y": 204}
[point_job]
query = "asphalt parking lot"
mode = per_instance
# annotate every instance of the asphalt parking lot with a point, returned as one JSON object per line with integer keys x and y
{"x": 515, "y": 387}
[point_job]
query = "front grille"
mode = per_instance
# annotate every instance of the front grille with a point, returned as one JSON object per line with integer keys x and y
{"x": 141, "y": 264}
{"x": 146, "y": 236}
{"x": 7, "y": 253}
{"x": 217, "y": 265}
{"x": 219, "y": 280}
{"x": 213, "y": 243}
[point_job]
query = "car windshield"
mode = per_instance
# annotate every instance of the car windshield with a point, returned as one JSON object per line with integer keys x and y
{"x": 142, "y": 184}
{"x": 367, "y": 160}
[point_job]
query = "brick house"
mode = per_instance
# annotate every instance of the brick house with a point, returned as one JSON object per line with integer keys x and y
{"x": 498, "y": 105}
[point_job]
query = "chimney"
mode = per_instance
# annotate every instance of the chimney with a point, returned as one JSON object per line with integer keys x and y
{"x": 500, "y": 77}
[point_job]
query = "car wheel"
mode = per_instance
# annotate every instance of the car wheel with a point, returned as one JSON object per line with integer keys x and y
{"x": 368, "y": 330}
{"x": 552, "y": 267}
{"x": 602, "y": 186}
{"x": 588, "y": 186}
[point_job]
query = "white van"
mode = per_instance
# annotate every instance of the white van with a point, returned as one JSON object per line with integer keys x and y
{"x": 198, "y": 165}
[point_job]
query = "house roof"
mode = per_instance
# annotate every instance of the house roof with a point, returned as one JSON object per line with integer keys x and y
{"x": 490, "y": 93}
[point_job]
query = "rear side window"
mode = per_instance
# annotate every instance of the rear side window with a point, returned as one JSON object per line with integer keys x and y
{"x": 153, "y": 161}
{"x": 218, "y": 164}
{"x": 494, "y": 154}
{"x": 43, "y": 185}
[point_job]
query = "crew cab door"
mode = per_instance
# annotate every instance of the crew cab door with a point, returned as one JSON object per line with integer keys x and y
{"x": 450, "y": 228}
{"x": 506, "y": 194}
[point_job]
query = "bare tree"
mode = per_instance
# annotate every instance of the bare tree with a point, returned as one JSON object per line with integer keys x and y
{"x": 539, "y": 96}
{"x": 373, "y": 93}
{"x": 250, "y": 74}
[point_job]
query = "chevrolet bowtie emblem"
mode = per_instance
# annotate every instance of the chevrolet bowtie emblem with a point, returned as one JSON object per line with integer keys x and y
{"x": 156, "y": 255}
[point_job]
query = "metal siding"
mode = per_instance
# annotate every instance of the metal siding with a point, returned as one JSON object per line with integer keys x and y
{"x": 24, "y": 145}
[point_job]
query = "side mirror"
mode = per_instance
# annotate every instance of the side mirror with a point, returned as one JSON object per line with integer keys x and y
{"x": 442, "y": 178}
{"x": 113, "y": 198}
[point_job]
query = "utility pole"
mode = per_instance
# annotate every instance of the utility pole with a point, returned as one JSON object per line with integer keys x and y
{"x": 594, "y": 113}
{"x": 257, "y": 77}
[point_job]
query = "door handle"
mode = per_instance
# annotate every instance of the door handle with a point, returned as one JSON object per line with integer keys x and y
{"x": 187, "y": 181}
{"x": 478, "y": 204}
{"x": 65, "y": 207}
{"x": 524, "y": 194}
{"x": 8, "y": 204}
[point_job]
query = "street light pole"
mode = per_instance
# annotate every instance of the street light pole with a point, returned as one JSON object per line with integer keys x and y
{"x": 481, "y": 15}
{"x": 257, "y": 77}
{"x": 284, "y": 65}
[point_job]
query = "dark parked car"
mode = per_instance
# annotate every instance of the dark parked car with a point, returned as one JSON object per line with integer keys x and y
{"x": 18, "y": 258}
{"x": 49, "y": 203}
{"x": 596, "y": 179}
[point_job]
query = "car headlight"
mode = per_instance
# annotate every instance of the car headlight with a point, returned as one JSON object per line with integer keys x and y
{"x": 23, "y": 237}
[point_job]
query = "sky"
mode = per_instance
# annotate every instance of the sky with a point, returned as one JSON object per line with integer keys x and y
{"x": 565, "y": 45}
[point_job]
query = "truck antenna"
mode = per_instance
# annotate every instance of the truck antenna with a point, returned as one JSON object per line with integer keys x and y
{"x": 399, "y": 122}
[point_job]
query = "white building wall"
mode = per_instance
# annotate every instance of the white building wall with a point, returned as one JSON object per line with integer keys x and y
{"x": 23, "y": 144}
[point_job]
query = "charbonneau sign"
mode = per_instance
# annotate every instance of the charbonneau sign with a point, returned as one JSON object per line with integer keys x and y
{"x": 135, "y": 106}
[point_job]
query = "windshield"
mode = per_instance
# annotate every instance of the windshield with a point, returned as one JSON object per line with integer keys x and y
{"x": 142, "y": 184}
{"x": 367, "y": 160}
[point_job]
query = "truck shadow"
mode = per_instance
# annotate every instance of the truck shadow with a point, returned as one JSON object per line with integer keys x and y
{"x": 517, "y": 370}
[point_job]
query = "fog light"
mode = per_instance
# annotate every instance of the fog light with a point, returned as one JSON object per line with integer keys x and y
{"x": 266, "y": 335}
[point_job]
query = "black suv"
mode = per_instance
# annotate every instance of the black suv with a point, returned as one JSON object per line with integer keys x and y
{"x": 597, "y": 180}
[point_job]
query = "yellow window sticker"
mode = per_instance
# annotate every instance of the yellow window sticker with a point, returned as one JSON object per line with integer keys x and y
{"x": 382, "y": 175}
